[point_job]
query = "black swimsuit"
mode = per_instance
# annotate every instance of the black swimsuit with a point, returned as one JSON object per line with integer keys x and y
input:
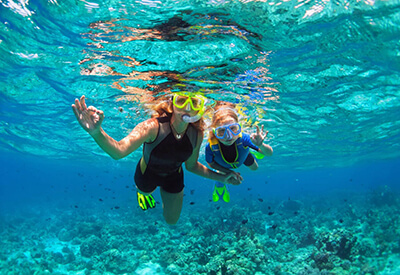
{"x": 230, "y": 154}
{"x": 164, "y": 157}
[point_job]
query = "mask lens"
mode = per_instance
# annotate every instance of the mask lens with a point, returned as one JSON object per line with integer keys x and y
{"x": 235, "y": 128}
{"x": 180, "y": 101}
{"x": 196, "y": 103}
{"x": 220, "y": 132}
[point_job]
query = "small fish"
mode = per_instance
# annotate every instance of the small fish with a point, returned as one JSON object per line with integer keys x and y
{"x": 270, "y": 213}
{"x": 274, "y": 226}
{"x": 127, "y": 186}
{"x": 245, "y": 221}
{"x": 296, "y": 212}
{"x": 76, "y": 206}
{"x": 260, "y": 199}
{"x": 116, "y": 207}
{"x": 48, "y": 219}
{"x": 100, "y": 199}
{"x": 192, "y": 202}
{"x": 269, "y": 207}
{"x": 341, "y": 221}
{"x": 248, "y": 189}
{"x": 218, "y": 207}
{"x": 192, "y": 192}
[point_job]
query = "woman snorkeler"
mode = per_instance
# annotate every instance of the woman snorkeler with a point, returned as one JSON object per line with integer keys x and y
{"x": 173, "y": 136}
{"x": 228, "y": 147}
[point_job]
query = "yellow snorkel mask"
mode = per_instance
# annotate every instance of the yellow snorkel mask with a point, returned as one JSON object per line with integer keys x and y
{"x": 189, "y": 100}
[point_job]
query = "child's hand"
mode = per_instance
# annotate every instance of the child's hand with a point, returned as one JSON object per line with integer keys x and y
{"x": 258, "y": 138}
{"x": 233, "y": 178}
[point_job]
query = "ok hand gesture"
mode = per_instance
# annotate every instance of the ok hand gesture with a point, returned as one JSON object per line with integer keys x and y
{"x": 89, "y": 118}
{"x": 258, "y": 137}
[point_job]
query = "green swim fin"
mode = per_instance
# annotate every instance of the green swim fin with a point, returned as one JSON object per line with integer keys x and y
{"x": 257, "y": 155}
{"x": 221, "y": 192}
{"x": 145, "y": 201}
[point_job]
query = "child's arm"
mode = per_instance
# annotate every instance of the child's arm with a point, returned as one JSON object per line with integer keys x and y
{"x": 194, "y": 166}
{"x": 265, "y": 149}
{"x": 258, "y": 139}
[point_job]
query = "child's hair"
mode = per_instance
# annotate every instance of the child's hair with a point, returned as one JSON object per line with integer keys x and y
{"x": 221, "y": 111}
{"x": 163, "y": 107}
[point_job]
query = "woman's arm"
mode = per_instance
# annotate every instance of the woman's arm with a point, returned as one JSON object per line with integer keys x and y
{"x": 194, "y": 166}
{"x": 90, "y": 119}
{"x": 145, "y": 131}
{"x": 218, "y": 167}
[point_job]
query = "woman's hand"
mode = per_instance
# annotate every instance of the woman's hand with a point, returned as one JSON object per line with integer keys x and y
{"x": 89, "y": 118}
{"x": 233, "y": 178}
{"x": 258, "y": 138}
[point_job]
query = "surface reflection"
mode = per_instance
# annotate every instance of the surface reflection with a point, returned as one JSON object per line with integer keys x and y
{"x": 140, "y": 75}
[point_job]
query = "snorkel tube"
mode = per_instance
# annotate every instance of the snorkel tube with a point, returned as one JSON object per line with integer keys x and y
{"x": 192, "y": 119}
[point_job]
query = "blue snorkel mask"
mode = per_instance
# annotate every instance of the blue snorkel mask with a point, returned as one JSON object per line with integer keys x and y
{"x": 227, "y": 132}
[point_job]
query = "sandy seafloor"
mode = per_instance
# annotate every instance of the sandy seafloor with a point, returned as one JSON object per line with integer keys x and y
{"x": 73, "y": 220}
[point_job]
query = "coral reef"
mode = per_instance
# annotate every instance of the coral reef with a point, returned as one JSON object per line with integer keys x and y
{"x": 248, "y": 237}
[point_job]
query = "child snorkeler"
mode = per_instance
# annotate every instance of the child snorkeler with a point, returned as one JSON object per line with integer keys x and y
{"x": 228, "y": 147}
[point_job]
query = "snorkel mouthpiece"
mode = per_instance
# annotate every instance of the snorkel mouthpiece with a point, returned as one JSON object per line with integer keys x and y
{"x": 192, "y": 119}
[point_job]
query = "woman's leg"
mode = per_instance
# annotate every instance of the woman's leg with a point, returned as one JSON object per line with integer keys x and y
{"x": 172, "y": 206}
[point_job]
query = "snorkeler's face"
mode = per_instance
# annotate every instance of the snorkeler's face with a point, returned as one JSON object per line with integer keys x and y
{"x": 188, "y": 104}
{"x": 227, "y": 131}
{"x": 180, "y": 112}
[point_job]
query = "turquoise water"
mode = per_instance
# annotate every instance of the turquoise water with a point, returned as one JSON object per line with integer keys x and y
{"x": 321, "y": 76}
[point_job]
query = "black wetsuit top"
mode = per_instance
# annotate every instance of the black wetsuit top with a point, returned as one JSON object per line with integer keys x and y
{"x": 164, "y": 157}
{"x": 166, "y": 154}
